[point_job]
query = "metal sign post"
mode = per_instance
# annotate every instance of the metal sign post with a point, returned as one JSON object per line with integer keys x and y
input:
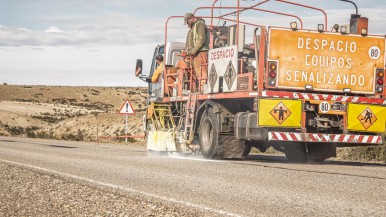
{"x": 126, "y": 128}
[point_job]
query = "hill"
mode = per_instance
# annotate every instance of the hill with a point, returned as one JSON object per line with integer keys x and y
{"x": 65, "y": 112}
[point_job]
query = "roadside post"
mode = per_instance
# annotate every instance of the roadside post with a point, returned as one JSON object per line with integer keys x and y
{"x": 126, "y": 109}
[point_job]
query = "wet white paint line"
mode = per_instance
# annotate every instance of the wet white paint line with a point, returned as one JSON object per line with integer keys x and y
{"x": 176, "y": 156}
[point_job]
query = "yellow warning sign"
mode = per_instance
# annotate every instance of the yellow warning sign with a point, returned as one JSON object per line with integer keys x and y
{"x": 367, "y": 118}
{"x": 364, "y": 117}
{"x": 280, "y": 113}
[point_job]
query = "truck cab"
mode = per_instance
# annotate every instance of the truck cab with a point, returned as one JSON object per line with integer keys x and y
{"x": 171, "y": 57}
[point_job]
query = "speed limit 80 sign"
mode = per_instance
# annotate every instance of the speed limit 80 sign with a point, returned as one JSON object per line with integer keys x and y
{"x": 324, "y": 107}
{"x": 330, "y": 107}
{"x": 374, "y": 52}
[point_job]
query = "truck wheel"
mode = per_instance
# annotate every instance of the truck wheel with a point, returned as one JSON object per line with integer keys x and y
{"x": 316, "y": 159}
{"x": 247, "y": 149}
{"x": 209, "y": 134}
{"x": 214, "y": 145}
{"x": 232, "y": 148}
{"x": 319, "y": 152}
{"x": 248, "y": 146}
{"x": 295, "y": 151}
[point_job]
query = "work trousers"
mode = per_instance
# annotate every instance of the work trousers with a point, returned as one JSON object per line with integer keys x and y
{"x": 200, "y": 66}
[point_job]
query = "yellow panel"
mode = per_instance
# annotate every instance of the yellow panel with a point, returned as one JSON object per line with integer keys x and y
{"x": 327, "y": 61}
{"x": 280, "y": 113}
{"x": 368, "y": 118}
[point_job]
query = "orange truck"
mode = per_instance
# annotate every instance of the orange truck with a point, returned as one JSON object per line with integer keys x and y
{"x": 303, "y": 92}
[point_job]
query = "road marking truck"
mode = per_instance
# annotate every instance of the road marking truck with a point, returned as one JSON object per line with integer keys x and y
{"x": 303, "y": 92}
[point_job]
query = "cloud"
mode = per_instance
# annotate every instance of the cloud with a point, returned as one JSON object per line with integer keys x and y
{"x": 64, "y": 65}
{"x": 85, "y": 31}
{"x": 54, "y": 29}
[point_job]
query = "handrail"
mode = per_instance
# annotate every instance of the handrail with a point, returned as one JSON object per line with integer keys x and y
{"x": 246, "y": 8}
{"x": 221, "y": 18}
{"x": 211, "y": 22}
{"x": 238, "y": 14}
{"x": 256, "y": 9}
{"x": 166, "y": 30}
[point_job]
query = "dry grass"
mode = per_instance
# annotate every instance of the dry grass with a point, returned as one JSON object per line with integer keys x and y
{"x": 71, "y": 113}
{"x": 364, "y": 153}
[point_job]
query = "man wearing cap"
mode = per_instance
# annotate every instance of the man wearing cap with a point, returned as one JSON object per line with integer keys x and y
{"x": 197, "y": 44}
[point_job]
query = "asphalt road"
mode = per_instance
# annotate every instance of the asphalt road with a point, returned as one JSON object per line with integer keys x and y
{"x": 259, "y": 186}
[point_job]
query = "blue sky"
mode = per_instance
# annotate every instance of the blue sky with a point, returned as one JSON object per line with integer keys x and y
{"x": 96, "y": 42}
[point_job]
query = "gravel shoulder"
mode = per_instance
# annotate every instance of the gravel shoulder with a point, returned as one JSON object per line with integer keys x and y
{"x": 29, "y": 192}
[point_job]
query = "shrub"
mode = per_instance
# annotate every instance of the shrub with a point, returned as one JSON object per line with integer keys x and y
{"x": 365, "y": 153}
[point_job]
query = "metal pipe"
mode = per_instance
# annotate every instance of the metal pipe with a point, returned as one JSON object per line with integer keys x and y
{"x": 246, "y": 8}
{"x": 356, "y": 8}
{"x": 211, "y": 24}
{"x": 221, "y": 18}
{"x": 262, "y": 61}
{"x": 238, "y": 26}
{"x": 257, "y": 9}
{"x": 257, "y": 56}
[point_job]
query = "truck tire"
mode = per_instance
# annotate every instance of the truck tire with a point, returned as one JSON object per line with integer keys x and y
{"x": 209, "y": 134}
{"x": 319, "y": 152}
{"x": 295, "y": 152}
{"x": 247, "y": 149}
{"x": 214, "y": 145}
{"x": 232, "y": 148}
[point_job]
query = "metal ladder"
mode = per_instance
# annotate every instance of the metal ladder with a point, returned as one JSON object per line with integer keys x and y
{"x": 189, "y": 119}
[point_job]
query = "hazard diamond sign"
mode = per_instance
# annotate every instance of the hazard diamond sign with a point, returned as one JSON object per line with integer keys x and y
{"x": 280, "y": 112}
{"x": 127, "y": 108}
{"x": 367, "y": 118}
{"x": 230, "y": 75}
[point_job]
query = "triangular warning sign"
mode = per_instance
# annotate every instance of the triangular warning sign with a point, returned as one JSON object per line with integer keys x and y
{"x": 127, "y": 108}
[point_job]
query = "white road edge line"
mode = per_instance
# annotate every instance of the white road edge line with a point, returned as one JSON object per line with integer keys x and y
{"x": 130, "y": 190}
{"x": 195, "y": 159}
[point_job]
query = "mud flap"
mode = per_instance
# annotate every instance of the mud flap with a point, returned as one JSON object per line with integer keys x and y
{"x": 161, "y": 141}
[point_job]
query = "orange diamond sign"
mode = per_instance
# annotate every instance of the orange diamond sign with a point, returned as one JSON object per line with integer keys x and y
{"x": 367, "y": 118}
{"x": 280, "y": 112}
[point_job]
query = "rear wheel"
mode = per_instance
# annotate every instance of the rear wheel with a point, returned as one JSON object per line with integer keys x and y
{"x": 247, "y": 149}
{"x": 295, "y": 151}
{"x": 318, "y": 152}
{"x": 215, "y": 145}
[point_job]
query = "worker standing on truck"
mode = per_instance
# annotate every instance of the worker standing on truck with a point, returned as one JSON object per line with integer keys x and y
{"x": 160, "y": 62}
{"x": 198, "y": 45}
